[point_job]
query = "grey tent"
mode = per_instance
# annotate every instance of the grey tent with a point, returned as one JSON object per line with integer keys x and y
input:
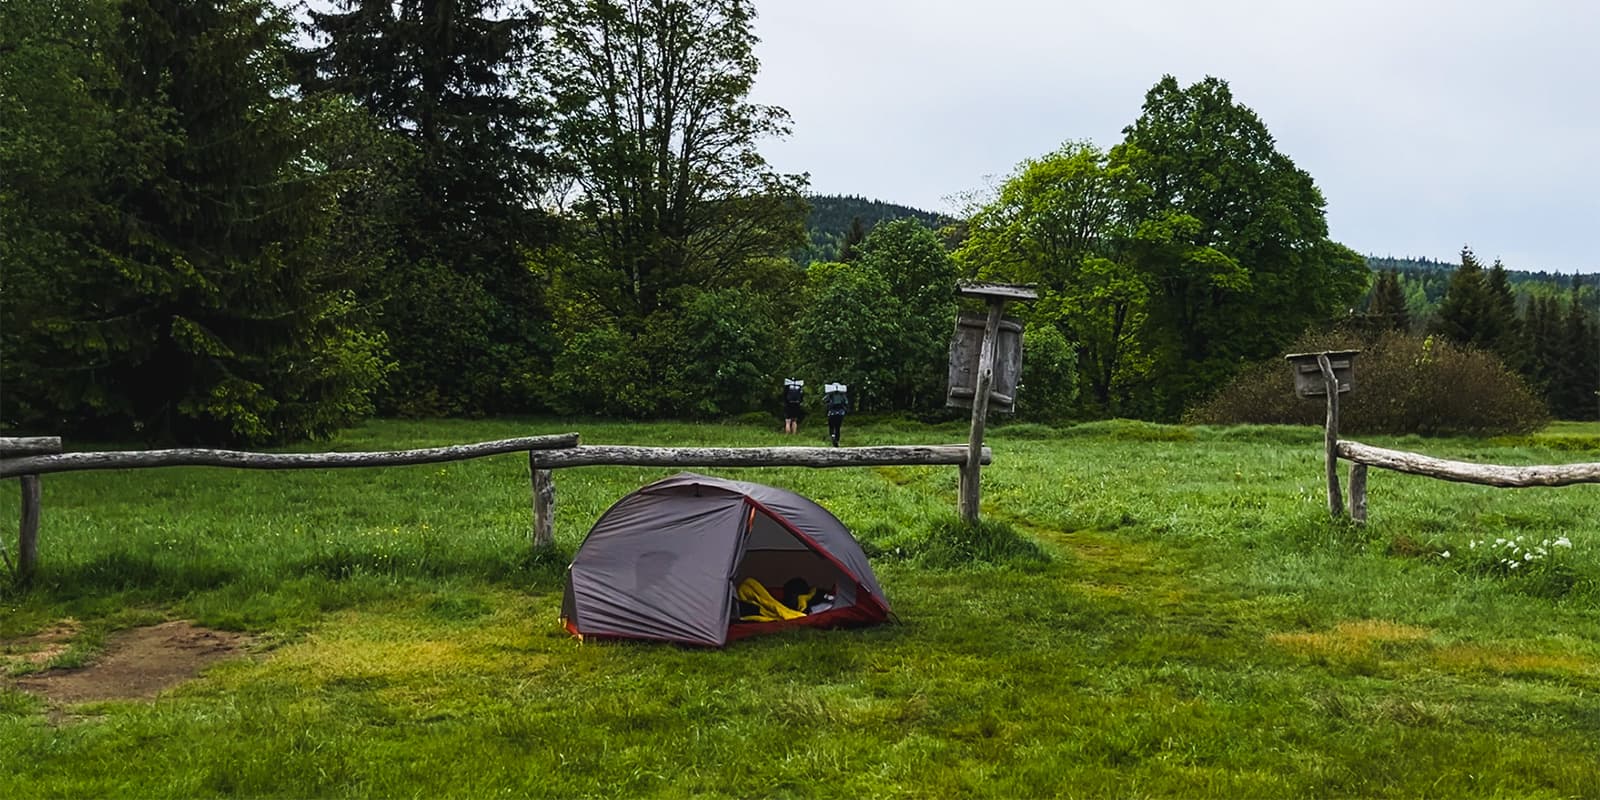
{"x": 664, "y": 563}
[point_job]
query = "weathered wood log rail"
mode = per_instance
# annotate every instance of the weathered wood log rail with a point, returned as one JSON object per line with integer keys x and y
{"x": 38, "y": 455}
{"x": 27, "y": 458}
{"x": 1362, "y": 455}
{"x": 240, "y": 459}
{"x": 540, "y": 463}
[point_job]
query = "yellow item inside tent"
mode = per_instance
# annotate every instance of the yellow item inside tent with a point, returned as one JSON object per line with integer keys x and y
{"x": 751, "y": 591}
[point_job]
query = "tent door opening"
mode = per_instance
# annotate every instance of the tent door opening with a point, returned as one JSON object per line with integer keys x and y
{"x": 774, "y": 556}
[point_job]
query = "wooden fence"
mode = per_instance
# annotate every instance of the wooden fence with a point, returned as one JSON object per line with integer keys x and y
{"x": 1360, "y": 456}
{"x": 26, "y": 458}
{"x": 540, "y": 464}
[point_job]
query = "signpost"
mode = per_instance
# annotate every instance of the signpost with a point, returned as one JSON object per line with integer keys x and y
{"x": 983, "y": 387}
{"x": 1327, "y": 374}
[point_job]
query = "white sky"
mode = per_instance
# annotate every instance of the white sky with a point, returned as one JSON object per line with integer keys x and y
{"x": 1428, "y": 124}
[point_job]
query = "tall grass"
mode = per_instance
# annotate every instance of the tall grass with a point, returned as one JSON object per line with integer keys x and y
{"x": 1147, "y": 611}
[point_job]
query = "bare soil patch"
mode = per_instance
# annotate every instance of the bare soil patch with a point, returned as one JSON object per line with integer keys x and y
{"x": 138, "y": 664}
{"x": 40, "y": 648}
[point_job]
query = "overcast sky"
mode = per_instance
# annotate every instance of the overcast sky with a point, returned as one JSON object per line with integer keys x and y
{"x": 1427, "y": 124}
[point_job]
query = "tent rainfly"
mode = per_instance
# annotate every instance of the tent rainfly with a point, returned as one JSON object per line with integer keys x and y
{"x": 672, "y": 560}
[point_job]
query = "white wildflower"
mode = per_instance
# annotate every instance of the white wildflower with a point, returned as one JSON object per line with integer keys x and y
{"x": 1516, "y": 564}
{"x": 1445, "y": 554}
{"x": 1563, "y": 542}
{"x": 1527, "y": 556}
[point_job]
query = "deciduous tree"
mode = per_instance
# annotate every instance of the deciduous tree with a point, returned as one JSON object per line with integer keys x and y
{"x": 1232, "y": 235}
{"x": 651, "y": 111}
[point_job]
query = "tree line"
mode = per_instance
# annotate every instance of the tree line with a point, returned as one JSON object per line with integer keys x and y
{"x": 228, "y": 221}
{"x": 1547, "y": 338}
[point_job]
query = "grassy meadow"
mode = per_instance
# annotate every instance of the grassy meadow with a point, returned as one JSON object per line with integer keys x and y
{"x": 1149, "y": 611}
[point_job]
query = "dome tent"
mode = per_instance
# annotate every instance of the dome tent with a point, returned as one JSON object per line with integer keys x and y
{"x": 663, "y": 563}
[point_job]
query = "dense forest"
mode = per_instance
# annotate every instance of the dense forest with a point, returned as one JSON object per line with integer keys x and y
{"x": 1423, "y": 281}
{"x": 247, "y": 222}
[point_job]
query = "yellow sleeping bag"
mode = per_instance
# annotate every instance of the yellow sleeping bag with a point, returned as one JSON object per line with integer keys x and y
{"x": 751, "y": 591}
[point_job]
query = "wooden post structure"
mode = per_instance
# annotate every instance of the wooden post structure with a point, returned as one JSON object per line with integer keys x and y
{"x": 1358, "y": 493}
{"x": 970, "y": 471}
{"x": 544, "y": 498}
{"x": 996, "y": 295}
{"x": 1330, "y": 438}
{"x": 28, "y": 531}
{"x": 1326, "y": 374}
{"x": 32, "y": 495}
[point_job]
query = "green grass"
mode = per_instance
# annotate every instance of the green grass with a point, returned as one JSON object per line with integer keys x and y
{"x": 1149, "y": 611}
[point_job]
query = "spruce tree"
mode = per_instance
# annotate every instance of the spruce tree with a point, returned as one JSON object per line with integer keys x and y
{"x": 1577, "y": 371}
{"x": 1501, "y": 311}
{"x": 466, "y": 317}
{"x": 1468, "y": 314}
{"x": 194, "y": 301}
{"x": 1387, "y": 308}
{"x": 852, "y": 241}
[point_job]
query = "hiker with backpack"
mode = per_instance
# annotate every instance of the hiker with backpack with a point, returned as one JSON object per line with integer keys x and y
{"x": 837, "y": 403}
{"x": 793, "y": 393}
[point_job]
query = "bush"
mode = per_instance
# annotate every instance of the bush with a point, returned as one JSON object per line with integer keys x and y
{"x": 601, "y": 372}
{"x": 1048, "y": 385}
{"x": 1404, "y": 384}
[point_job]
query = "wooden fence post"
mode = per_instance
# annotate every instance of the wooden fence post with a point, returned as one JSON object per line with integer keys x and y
{"x": 1358, "y": 492}
{"x": 1330, "y": 436}
{"x": 12, "y": 447}
{"x": 544, "y": 498}
{"x": 28, "y": 532}
{"x": 970, "y": 471}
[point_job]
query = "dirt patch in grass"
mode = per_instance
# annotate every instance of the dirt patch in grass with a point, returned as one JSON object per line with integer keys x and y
{"x": 39, "y": 649}
{"x": 137, "y": 664}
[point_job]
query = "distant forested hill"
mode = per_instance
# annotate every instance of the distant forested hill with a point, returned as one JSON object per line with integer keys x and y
{"x": 832, "y": 216}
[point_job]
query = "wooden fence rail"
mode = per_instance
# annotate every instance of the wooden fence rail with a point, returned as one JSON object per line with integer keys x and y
{"x": 540, "y": 463}
{"x": 141, "y": 459}
{"x": 1361, "y": 455}
{"x": 38, "y": 455}
{"x": 27, "y": 458}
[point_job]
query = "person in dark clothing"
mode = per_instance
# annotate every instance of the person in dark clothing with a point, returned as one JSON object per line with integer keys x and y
{"x": 837, "y": 403}
{"x": 793, "y": 393}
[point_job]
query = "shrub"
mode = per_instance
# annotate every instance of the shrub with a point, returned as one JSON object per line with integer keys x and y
{"x": 1048, "y": 385}
{"x": 600, "y": 371}
{"x": 1404, "y": 384}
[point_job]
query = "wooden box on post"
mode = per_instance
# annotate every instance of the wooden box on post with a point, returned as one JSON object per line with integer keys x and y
{"x": 1308, "y": 374}
{"x": 984, "y": 371}
{"x": 1314, "y": 375}
{"x": 965, "y": 348}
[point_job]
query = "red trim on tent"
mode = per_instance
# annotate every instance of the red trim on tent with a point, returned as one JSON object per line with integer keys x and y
{"x": 849, "y": 615}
